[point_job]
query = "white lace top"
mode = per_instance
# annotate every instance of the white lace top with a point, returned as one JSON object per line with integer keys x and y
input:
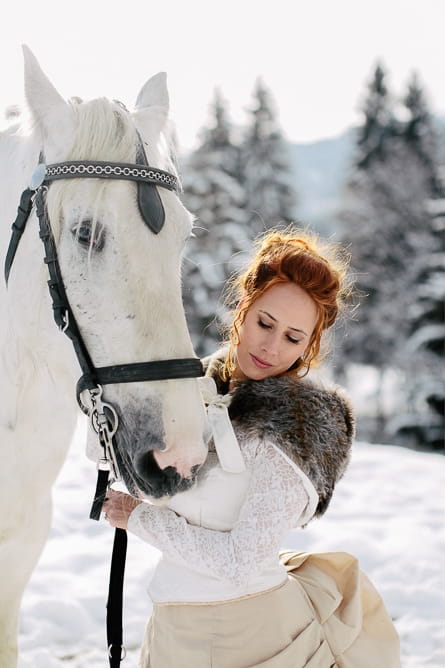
{"x": 220, "y": 539}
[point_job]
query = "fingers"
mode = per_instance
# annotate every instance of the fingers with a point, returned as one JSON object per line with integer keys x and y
{"x": 118, "y": 507}
{"x": 113, "y": 500}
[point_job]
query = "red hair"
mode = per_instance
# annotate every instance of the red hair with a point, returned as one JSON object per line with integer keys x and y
{"x": 299, "y": 257}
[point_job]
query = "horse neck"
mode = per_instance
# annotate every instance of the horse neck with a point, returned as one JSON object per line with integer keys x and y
{"x": 18, "y": 157}
{"x": 32, "y": 348}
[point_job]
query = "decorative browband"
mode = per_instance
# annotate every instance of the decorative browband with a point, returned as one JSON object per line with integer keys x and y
{"x": 114, "y": 170}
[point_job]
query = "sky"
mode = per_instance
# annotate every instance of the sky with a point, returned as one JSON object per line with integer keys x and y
{"x": 315, "y": 57}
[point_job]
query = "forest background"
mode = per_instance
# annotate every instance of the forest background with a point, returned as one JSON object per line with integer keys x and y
{"x": 379, "y": 189}
{"x": 377, "y": 186}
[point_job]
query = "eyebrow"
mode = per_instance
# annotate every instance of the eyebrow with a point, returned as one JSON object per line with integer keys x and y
{"x": 294, "y": 329}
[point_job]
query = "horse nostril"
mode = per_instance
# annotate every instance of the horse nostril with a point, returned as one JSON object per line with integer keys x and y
{"x": 171, "y": 474}
{"x": 158, "y": 482}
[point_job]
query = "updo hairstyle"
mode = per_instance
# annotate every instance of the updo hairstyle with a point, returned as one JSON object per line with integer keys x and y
{"x": 297, "y": 256}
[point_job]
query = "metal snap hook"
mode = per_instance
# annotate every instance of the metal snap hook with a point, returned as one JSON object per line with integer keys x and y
{"x": 66, "y": 321}
{"x": 92, "y": 393}
{"x": 123, "y": 652}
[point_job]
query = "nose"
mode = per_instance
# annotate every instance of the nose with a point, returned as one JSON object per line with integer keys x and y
{"x": 271, "y": 343}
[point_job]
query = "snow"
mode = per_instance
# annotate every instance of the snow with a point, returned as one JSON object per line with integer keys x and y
{"x": 388, "y": 510}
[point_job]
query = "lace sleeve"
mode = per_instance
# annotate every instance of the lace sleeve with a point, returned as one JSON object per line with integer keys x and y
{"x": 275, "y": 500}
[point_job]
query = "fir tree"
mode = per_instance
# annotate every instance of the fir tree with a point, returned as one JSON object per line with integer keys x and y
{"x": 422, "y": 134}
{"x": 214, "y": 195}
{"x": 372, "y": 226}
{"x": 394, "y": 174}
{"x": 265, "y": 167}
{"x": 379, "y": 122}
{"x": 423, "y": 355}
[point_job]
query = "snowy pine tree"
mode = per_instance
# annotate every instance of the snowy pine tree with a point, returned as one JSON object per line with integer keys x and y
{"x": 214, "y": 195}
{"x": 265, "y": 167}
{"x": 422, "y": 135}
{"x": 423, "y": 355}
{"x": 379, "y": 122}
{"x": 394, "y": 174}
{"x": 371, "y": 216}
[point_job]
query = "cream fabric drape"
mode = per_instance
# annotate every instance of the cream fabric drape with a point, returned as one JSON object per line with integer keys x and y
{"x": 328, "y": 614}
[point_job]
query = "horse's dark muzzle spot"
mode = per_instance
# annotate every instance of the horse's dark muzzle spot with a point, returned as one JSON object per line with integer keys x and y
{"x": 157, "y": 482}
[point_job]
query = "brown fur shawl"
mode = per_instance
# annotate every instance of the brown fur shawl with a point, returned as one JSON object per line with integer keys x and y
{"x": 312, "y": 424}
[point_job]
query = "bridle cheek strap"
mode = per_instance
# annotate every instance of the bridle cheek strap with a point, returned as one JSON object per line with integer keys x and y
{"x": 149, "y": 201}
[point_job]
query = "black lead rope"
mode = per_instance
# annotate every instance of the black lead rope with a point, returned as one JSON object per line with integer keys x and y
{"x": 116, "y": 649}
{"x": 115, "y": 601}
{"x": 99, "y": 494}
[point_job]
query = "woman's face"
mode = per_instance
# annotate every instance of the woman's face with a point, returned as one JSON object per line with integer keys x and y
{"x": 275, "y": 333}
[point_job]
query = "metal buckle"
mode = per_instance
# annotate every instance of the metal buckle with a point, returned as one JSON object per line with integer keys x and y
{"x": 123, "y": 652}
{"x": 66, "y": 321}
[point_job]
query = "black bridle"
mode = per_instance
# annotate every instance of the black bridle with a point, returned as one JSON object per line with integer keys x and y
{"x": 102, "y": 414}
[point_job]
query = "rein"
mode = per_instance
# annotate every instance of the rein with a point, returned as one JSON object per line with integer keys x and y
{"x": 103, "y": 416}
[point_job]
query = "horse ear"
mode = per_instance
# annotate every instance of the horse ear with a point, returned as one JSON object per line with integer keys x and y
{"x": 154, "y": 93}
{"x": 47, "y": 106}
{"x": 152, "y": 104}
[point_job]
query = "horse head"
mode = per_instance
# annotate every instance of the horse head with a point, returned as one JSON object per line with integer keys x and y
{"x": 121, "y": 272}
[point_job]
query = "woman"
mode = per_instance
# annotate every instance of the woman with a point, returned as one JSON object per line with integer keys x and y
{"x": 222, "y": 597}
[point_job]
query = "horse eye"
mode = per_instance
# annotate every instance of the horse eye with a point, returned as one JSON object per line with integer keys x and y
{"x": 89, "y": 235}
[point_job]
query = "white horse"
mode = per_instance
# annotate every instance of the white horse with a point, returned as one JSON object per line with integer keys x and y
{"x": 123, "y": 285}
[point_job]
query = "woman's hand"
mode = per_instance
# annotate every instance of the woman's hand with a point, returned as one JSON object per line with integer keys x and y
{"x": 118, "y": 508}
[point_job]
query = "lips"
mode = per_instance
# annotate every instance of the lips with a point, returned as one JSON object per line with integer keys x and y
{"x": 261, "y": 364}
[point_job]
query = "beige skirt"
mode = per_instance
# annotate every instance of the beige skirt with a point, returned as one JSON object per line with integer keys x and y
{"x": 326, "y": 614}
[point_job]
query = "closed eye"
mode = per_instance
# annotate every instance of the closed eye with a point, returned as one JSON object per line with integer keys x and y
{"x": 264, "y": 325}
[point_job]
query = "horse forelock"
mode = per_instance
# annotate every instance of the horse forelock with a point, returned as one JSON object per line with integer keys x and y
{"x": 105, "y": 130}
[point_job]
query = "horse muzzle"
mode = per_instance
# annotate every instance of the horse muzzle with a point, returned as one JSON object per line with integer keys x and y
{"x": 152, "y": 461}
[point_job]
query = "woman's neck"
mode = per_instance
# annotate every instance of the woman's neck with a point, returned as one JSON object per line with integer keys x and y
{"x": 236, "y": 377}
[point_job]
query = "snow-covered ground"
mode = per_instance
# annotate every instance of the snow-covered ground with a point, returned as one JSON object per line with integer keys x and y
{"x": 388, "y": 510}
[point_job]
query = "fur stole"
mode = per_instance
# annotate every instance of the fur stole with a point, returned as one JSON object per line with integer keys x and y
{"x": 313, "y": 425}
